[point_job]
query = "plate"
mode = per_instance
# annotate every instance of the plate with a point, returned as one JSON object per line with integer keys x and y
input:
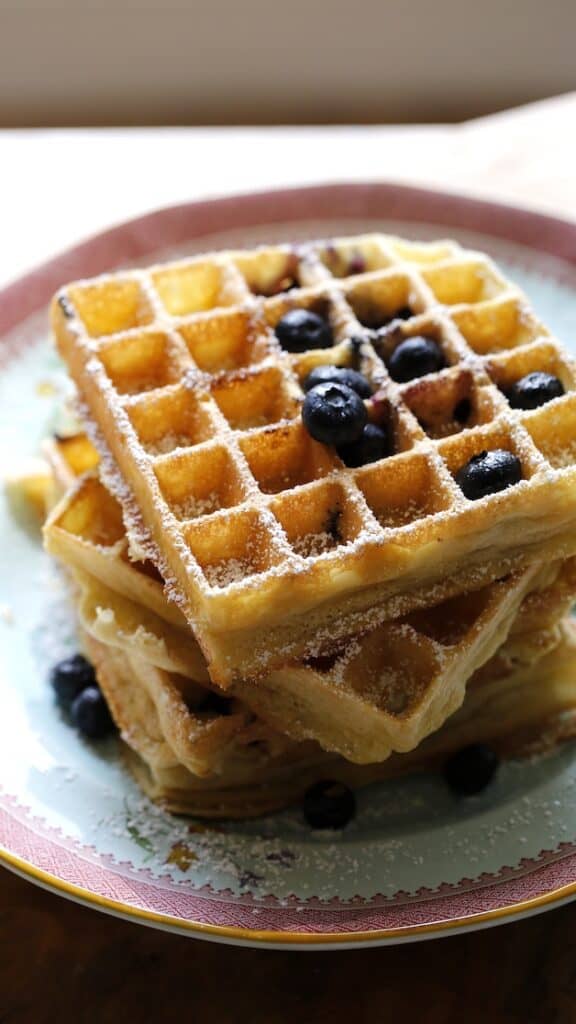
{"x": 416, "y": 862}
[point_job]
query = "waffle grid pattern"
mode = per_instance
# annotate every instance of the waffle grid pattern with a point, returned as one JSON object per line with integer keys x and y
{"x": 381, "y": 692}
{"x": 201, "y": 408}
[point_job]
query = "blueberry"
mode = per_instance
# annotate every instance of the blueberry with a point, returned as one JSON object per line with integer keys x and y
{"x": 334, "y": 414}
{"x": 373, "y": 444}
{"x": 301, "y": 329}
{"x": 341, "y": 375}
{"x": 90, "y": 714}
{"x": 488, "y": 473}
{"x": 471, "y": 769}
{"x": 534, "y": 389}
{"x": 70, "y": 677}
{"x": 329, "y": 805}
{"x": 415, "y": 357}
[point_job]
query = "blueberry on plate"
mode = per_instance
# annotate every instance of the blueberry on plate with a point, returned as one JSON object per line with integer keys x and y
{"x": 301, "y": 329}
{"x": 329, "y": 804}
{"x": 70, "y": 677}
{"x": 90, "y": 714}
{"x": 372, "y": 445}
{"x": 471, "y": 770}
{"x": 340, "y": 375}
{"x": 488, "y": 473}
{"x": 534, "y": 389}
{"x": 334, "y": 414}
{"x": 415, "y": 357}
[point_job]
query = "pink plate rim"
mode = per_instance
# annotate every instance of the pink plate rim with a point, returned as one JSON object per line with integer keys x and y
{"x": 33, "y": 849}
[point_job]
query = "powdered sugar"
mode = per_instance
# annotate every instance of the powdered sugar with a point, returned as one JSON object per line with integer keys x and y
{"x": 193, "y": 507}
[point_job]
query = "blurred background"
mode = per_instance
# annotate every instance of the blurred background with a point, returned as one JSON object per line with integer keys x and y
{"x": 284, "y": 62}
{"x": 110, "y": 110}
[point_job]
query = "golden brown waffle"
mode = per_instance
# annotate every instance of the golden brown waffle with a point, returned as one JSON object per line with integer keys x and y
{"x": 384, "y": 691}
{"x": 171, "y": 720}
{"x": 515, "y": 713}
{"x": 272, "y": 547}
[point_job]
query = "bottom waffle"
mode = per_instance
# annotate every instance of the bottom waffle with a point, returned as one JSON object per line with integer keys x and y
{"x": 384, "y": 691}
{"x": 207, "y": 754}
{"x": 529, "y": 709}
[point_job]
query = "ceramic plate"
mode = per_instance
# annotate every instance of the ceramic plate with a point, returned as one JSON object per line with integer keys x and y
{"x": 416, "y": 862}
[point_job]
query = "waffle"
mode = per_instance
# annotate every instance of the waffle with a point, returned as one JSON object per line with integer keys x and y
{"x": 270, "y": 545}
{"x": 515, "y": 713}
{"x": 384, "y": 691}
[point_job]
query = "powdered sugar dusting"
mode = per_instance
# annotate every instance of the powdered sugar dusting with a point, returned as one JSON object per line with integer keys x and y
{"x": 194, "y": 507}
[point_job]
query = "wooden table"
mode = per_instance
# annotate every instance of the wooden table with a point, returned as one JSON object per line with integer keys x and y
{"x": 60, "y": 962}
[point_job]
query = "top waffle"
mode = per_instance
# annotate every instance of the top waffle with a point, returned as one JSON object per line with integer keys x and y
{"x": 260, "y": 531}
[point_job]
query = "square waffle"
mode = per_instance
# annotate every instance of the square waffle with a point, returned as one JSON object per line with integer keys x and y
{"x": 271, "y": 546}
{"x": 384, "y": 691}
{"x": 510, "y": 710}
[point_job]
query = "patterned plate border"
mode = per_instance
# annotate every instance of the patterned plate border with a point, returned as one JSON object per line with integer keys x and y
{"x": 29, "y": 847}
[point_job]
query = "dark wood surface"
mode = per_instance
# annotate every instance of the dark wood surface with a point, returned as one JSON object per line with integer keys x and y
{"x": 60, "y": 962}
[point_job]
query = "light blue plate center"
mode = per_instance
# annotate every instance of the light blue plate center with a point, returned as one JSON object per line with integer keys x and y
{"x": 407, "y": 834}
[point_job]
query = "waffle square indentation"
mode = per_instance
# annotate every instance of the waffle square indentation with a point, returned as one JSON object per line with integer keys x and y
{"x": 199, "y": 481}
{"x": 255, "y": 399}
{"x": 497, "y": 325}
{"x": 450, "y": 403}
{"x": 422, "y": 253}
{"x": 404, "y": 489}
{"x": 178, "y": 418}
{"x": 379, "y": 300}
{"x": 232, "y": 549}
{"x": 142, "y": 362}
{"x": 226, "y": 341}
{"x": 543, "y": 357}
{"x": 468, "y": 281}
{"x": 193, "y": 287}
{"x": 347, "y": 258}
{"x": 318, "y": 519}
{"x": 269, "y": 271}
{"x": 553, "y": 430}
{"x": 111, "y": 305}
{"x": 276, "y": 308}
{"x": 94, "y": 516}
{"x": 457, "y": 451}
{"x": 392, "y": 667}
{"x": 285, "y": 457}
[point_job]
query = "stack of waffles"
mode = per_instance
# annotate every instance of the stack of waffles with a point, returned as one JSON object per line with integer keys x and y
{"x": 262, "y": 615}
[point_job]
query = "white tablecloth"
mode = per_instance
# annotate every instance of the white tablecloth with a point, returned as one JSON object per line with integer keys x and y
{"x": 62, "y": 185}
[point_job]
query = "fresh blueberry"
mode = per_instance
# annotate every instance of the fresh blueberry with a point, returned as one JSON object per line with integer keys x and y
{"x": 329, "y": 805}
{"x": 70, "y": 677}
{"x": 334, "y": 414}
{"x": 373, "y": 444}
{"x": 301, "y": 329}
{"x": 488, "y": 473}
{"x": 415, "y": 357}
{"x": 471, "y": 769}
{"x": 535, "y": 389}
{"x": 90, "y": 714}
{"x": 341, "y": 375}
